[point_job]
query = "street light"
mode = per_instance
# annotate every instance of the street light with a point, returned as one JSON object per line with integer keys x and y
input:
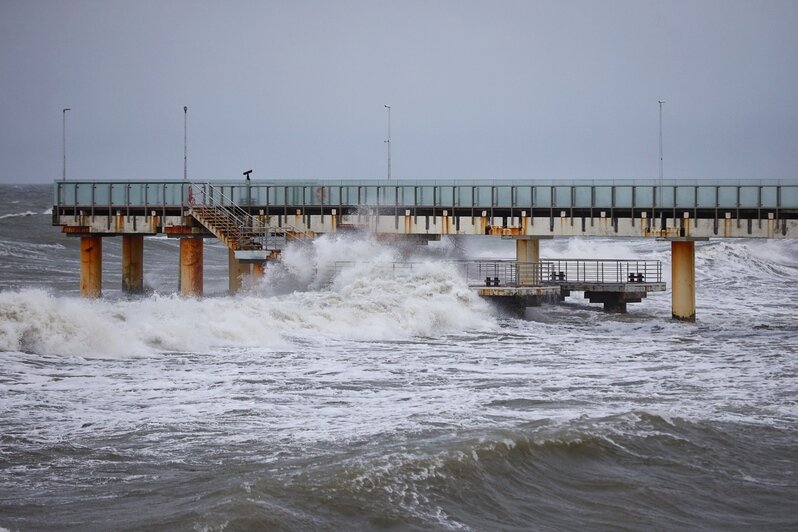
{"x": 185, "y": 139}
{"x": 661, "y": 173}
{"x": 388, "y": 141}
{"x": 63, "y": 136}
{"x": 660, "y": 137}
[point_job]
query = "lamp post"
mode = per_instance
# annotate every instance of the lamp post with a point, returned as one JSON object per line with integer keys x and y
{"x": 63, "y": 136}
{"x": 661, "y": 172}
{"x": 185, "y": 139}
{"x": 388, "y": 141}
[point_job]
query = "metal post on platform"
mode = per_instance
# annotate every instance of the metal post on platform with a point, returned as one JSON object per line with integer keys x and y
{"x": 63, "y": 135}
{"x": 185, "y": 142}
{"x": 388, "y": 141}
{"x": 661, "y": 167}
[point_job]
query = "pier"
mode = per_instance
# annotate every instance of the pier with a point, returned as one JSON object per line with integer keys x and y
{"x": 256, "y": 219}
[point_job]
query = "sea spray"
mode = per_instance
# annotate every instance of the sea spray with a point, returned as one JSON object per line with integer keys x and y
{"x": 355, "y": 300}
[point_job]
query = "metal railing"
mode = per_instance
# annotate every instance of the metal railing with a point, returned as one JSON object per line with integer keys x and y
{"x": 233, "y": 221}
{"x": 221, "y": 214}
{"x": 607, "y": 195}
{"x": 547, "y": 272}
{"x": 603, "y": 271}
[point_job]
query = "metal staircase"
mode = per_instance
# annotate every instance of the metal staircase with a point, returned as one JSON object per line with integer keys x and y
{"x": 239, "y": 230}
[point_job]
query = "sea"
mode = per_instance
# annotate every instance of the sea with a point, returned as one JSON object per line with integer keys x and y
{"x": 340, "y": 394}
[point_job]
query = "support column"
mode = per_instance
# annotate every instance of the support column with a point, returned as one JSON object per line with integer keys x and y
{"x": 191, "y": 280}
{"x": 683, "y": 279}
{"x": 237, "y": 272}
{"x": 527, "y": 254}
{"x": 258, "y": 271}
{"x": 91, "y": 266}
{"x": 132, "y": 264}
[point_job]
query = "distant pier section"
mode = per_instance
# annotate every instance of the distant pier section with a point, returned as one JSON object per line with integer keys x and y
{"x": 255, "y": 219}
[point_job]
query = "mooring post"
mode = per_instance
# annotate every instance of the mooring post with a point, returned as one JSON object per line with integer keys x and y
{"x": 683, "y": 279}
{"x": 191, "y": 257}
{"x": 132, "y": 264}
{"x": 91, "y": 266}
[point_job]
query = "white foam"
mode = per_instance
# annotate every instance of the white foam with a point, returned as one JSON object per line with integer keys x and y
{"x": 361, "y": 301}
{"x": 19, "y": 214}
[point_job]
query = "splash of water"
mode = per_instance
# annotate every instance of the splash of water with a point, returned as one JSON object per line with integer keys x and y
{"x": 357, "y": 300}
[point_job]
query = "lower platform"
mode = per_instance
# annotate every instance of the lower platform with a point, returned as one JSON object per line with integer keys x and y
{"x": 516, "y": 299}
{"x": 614, "y": 296}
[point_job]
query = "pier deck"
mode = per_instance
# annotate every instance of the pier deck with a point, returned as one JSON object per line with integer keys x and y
{"x": 252, "y": 218}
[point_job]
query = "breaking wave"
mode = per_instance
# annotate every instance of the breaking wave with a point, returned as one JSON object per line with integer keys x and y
{"x": 353, "y": 300}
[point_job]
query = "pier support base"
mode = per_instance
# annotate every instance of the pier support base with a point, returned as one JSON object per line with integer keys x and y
{"x": 191, "y": 257}
{"x": 683, "y": 279}
{"x": 132, "y": 264}
{"x": 527, "y": 254}
{"x": 614, "y": 301}
{"x": 91, "y": 266}
{"x": 237, "y": 272}
{"x": 258, "y": 271}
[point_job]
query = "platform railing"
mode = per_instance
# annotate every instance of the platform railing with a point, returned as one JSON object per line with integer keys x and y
{"x": 603, "y": 271}
{"x": 753, "y": 196}
{"x": 546, "y": 272}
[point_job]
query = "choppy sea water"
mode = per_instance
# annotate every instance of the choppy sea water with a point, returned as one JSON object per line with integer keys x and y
{"x": 351, "y": 399}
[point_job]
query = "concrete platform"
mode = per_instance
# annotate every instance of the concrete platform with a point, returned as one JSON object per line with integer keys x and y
{"x": 517, "y": 291}
{"x": 516, "y": 299}
{"x": 613, "y": 296}
{"x": 631, "y": 288}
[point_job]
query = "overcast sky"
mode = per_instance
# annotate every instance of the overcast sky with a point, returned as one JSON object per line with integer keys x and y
{"x": 478, "y": 89}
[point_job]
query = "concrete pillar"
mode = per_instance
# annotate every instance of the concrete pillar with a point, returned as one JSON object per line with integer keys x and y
{"x": 527, "y": 254}
{"x": 237, "y": 272}
{"x": 258, "y": 271}
{"x": 91, "y": 266}
{"x": 133, "y": 264}
{"x": 683, "y": 279}
{"x": 191, "y": 280}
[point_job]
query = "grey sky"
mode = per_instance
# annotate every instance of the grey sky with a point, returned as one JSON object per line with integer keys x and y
{"x": 479, "y": 89}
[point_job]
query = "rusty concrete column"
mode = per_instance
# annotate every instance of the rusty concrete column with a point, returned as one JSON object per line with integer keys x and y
{"x": 191, "y": 280}
{"x": 133, "y": 264}
{"x": 91, "y": 266}
{"x": 527, "y": 255}
{"x": 683, "y": 279}
{"x": 258, "y": 271}
{"x": 237, "y": 272}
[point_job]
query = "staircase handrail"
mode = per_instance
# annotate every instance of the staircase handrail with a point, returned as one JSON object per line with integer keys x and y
{"x": 246, "y": 223}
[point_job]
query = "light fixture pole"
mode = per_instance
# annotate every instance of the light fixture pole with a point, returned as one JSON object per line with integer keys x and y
{"x": 388, "y": 141}
{"x": 185, "y": 143}
{"x": 661, "y": 172}
{"x": 63, "y": 136}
